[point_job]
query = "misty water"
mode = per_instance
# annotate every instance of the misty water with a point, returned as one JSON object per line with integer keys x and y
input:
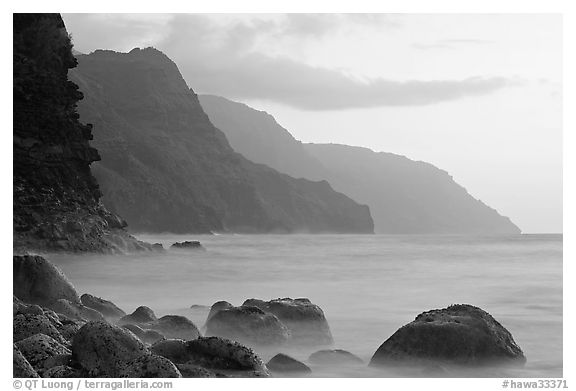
{"x": 367, "y": 285}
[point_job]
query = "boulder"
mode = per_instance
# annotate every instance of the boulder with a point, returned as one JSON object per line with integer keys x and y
{"x": 20, "y": 366}
{"x": 187, "y": 245}
{"x": 150, "y": 366}
{"x": 283, "y": 363}
{"x": 175, "y": 326}
{"x": 62, "y": 371}
{"x": 38, "y": 348}
{"x": 248, "y": 325}
{"x": 103, "y": 349}
{"x": 460, "y": 334}
{"x": 147, "y": 336}
{"x": 334, "y": 357}
{"x": 37, "y": 281}
{"x": 26, "y": 325}
{"x": 191, "y": 371}
{"x": 173, "y": 349}
{"x": 305, "y": 320}
{"x": 141, "y": 315}
{"x": 213, "y": 353}
{"x": 108, "y": 309}
{"x": 76, "y": 311}
{"x": 218, "y": 306}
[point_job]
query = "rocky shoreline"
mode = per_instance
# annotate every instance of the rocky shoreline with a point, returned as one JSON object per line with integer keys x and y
{"x": 59, "y": 333}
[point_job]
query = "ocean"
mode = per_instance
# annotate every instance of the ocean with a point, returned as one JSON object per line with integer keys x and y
{"x": 367, "y": 285}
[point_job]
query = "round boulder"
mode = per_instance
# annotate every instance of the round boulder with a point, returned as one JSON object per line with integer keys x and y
{"x": 141, "y": 315}
{"x": 104, "y": 350}
{"x": 38, "y": 348}
{"x": 283, "y": 363}
{"x": 37, "y": 281}
{"x": 20, "y": 366}
{"x": 249, "y": 325}
{"x": 460, "y": 334}
{"x": 150, "y": 366}
{"x": 335, "y": 357}
{"x": 218, "y": 306}
{"x": 108, "y": 309}
{"x": 26, "y": 325}
{"x": 175, "y": 326}
{"x": 76, "y": 311}
{"x": 305, "y": 320}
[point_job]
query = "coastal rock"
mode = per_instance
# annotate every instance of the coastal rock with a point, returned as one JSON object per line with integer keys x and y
{"x": 38, "y": 348}
{"x": 213, "y": 353}
{"x": 285, "y": 364}
{"x": 188, "y": 245}
{"x": 20, "y": 366}
{"x": 334, "y": 357}
{"x": 305, "y": 320}
{"x": 108, "y": 309}
{"x": 193, "y": 371}
{"x": 249, "y": 325}
{"x": 147, "y": 336}
{"x": 218, "y": 306}
{"x": 104, "y": 350}
{"x": 141, "y": 315}
{"x": 37, "y": 281}
{"x": 62, "y": 371}
{"x": 26, "y": 325}
{"x": 150, "y": 366}
{"x": 172, "y": 349}
{"x": 175, "y": 326}
{"x": 56, "y": 200}
{"x": 76, "y": 311}
{"x": 459, "y": 334}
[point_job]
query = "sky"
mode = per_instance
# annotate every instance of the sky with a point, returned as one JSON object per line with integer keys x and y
{"x": 478, "y": 95}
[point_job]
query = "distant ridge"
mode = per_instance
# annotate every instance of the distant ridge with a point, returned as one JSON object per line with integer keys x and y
{"x": 166, "y": 168}
{"x": 404, "y": 196}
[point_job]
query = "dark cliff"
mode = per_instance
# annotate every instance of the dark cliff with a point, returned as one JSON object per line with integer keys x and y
{"x": 166, "y": 168}
{"x": 56, "y": 199}
{"x": 404, "y": 196}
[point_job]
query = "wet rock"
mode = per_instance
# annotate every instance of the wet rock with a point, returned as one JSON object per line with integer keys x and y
{"x": 152, "y": 336}
{"x": 218, "y": 306}
{"x": 108, "y": 309}
{"x": 37, "y": 281}
{"x": 305, "y": 320}
{"x": 285, "y": 364}
{"x": 221, "y": 353}
{"x": 173, "y": 349}
{"x": 26, "y": 325}
{"x": 62, "y": 371}
{"x": 213, "y": 353}
{"x": 459, "y": 334}
{"x": 141, "y": 315}
{"x": 150, "y": 366}
{"x": 148, "y": 336}
{"x": 158, "y": 247}
{"x": 188, "y": 245}
{"x": 175, "y": 326}
{"x": 76, "y": 311}
{"x": 249, "y": 325}
{"x": 334, "y": 357}
{"x": 38, "y": 348}
{"x": 191, "y": 370}
{"x": 105, "y": 350}
{"x": 20, "y": 366}
{"x": 57, "y": 360}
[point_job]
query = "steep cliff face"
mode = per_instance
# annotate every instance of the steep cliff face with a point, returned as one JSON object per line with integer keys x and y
{"x": 56, "y": 199}
{"x": 404, "y": 196}
{"x": 165, "y": 167}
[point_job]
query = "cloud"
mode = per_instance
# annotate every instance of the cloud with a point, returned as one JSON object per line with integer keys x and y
{"x": 450, "y": 44}
{"x": 224, "y": 55}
